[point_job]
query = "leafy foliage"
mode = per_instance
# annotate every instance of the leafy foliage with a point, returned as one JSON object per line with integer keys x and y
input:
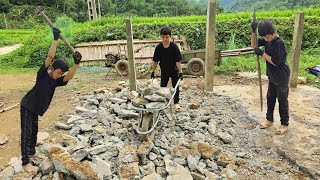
{"x": 232, "y": 31}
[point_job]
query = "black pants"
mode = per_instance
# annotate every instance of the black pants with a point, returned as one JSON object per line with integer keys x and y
{"x": 174, "y": 79}
{"x": 281, "y": 92}
{"x": 29, "y": 131}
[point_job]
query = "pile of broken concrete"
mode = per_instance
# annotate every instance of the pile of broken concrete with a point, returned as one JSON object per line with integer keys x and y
{"x": 99, "y": 141}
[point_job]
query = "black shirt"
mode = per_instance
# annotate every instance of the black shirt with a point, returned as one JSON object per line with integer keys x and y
{"x": 38, "y": 99}
{"x": 280, "y": 72}
{"x": 167, "y": 57}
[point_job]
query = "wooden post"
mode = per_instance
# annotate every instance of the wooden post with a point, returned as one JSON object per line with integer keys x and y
{"x": 296, "y": 49}
{"x": 210, "y": 45}
{"x": 99, "y": 8}
{"x": 5, "y": 21}
{"x": 132, "y": 72}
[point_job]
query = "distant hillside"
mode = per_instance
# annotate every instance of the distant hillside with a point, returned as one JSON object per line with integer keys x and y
{"x": 266, "y": 5}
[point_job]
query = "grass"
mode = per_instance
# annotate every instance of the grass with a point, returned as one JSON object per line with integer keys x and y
{"x": 11, "y": 37}
{"x": 14, "y": 70}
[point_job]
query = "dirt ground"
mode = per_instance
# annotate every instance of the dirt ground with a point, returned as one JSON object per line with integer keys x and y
{"x": 7, "y": 49}
{"x": 301, "y": 141}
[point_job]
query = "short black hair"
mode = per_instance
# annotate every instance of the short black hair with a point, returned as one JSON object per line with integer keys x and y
{"x": 265, "y": 27}
{"x": 165, "y": 31}
{"x": 60, "y": 64}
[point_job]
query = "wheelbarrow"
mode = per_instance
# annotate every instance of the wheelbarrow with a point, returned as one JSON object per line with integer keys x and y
{"x": 149, "y": 117}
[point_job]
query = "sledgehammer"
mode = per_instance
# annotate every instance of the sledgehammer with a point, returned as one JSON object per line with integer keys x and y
{"x": 39, "y": 12}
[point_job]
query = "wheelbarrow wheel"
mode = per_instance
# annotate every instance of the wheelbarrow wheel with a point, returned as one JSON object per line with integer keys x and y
{"x": 146, "y": 124}
{"x": 122, "y": 66}
{"x": 195, "y": 67}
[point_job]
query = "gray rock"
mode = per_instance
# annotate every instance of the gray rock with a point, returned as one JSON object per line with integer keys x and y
{"x": 212, "y": 127}
{"x": 241, "y": 154}
{"x": 129, "y": 171}
{"x": 102, "y": 167}
{"x": 68, "y": 140}
{"x": 155, "y": 98}
{"x": 117, "y": 100}
{"x": 163, "y": 152}
{"x": 80, "y": 109}
{"x": 16, "y": 164}
{"x": 90, "y": 114}
{"x": 60, "y": 125}
{"x": 74, "y": 119}
{"x": 192, "y": 163}
{"x": 176, "y": 171}
{"x": 152, "y": 156}
{"x": 116, "y": 108}
{"x": 3, "y": 139}
{"x": 155, "y": 105}
{"x": 86, "y": 127}
{"x": 164, "y": 92}
{"x": 57, "y": 176}
{"x": 46, "y": 167}
{"x": 143, "y": 150}
{"x": 80, "y": 154}
{"x": 7, "y": 173}
{"x": 93, "y": 101}
{"x": 158, "y": 163}
{"x": 152, "y": 176}
{"x": 225, "y": 137}
{"x": 180, "y": 161}
{"x": 75, "y": 130}
{"x": 231, "y": 174}
{"x": 98, "y": 149}
{"x": 197, "y": 176}
{"x": 41, "y": 137}
{"x": 128, "y": 114}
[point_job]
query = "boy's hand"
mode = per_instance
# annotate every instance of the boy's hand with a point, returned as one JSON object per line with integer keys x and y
{"x": 258, "y": 51}
{"x": 56, "y": 33}
{"x": 77, "y": 57}
{"x": 152, "y": 75}
{"x": 254, "y": 26}
{"x": 181, "y": 76}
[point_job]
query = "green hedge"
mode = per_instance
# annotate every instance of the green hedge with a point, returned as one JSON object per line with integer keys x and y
{"x": 35, "y": 49}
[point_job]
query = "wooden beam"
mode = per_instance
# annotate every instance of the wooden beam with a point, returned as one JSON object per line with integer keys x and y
{"x": 5, "y": 20}
{"x": 296, "y": 49}
{"x": 210, "y": 45}
{"x": 132, "y": 72}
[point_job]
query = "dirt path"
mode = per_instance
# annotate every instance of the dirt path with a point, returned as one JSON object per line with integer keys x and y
{"x": 7, "y": 49}
{"x": 14, "y": 87}
{"x": 301, "y": 141}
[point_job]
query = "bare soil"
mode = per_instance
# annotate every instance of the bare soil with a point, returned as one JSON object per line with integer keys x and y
{"x": 301, "y": 141}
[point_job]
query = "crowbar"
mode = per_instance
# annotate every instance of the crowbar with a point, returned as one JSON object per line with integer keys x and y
{"x": 258, "y": 62}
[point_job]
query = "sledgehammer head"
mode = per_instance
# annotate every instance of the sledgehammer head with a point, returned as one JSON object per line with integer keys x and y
{"x": 39, "y": 9}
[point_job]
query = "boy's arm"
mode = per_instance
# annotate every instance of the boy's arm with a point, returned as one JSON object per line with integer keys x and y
{"x": 71, "y": 73}
{"x": 154, "y": 66}
{"x": 52, "y": 50}
{"x": 178, "y": 64}
{"x": 267, "y": 58}
{"x": 77, "y": 58}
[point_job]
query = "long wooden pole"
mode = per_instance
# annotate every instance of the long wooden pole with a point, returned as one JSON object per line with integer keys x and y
{"x": 5, "y": 20}
{"x": 296, "y": 49}
{"x": 132, "y": 72}
{"x": 258, "y": 64}
{"x": 210, "y": 45}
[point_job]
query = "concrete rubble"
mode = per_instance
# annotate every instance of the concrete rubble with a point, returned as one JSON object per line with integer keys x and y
{"x": 208, "y": 141}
